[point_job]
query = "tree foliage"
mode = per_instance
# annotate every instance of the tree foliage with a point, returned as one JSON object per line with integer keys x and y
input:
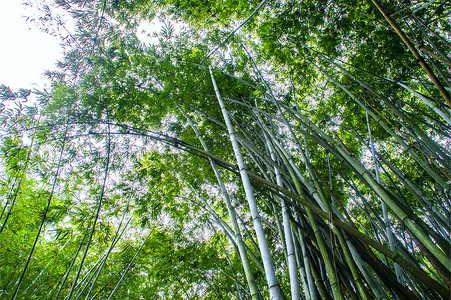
{"x": 125, "y": 181}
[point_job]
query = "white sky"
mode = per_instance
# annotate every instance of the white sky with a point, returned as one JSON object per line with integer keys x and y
{"x": 25, "y": 52}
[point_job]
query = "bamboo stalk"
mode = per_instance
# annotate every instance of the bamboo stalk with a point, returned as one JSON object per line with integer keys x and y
{"x": 402, "y": 262}
{"x": 292, "y": 266}
{"x": 415, "y": 53}
{"x": 384, "y": 206}
{"x": 357, "y": 234}
{"x": 273, "y": 285}
{"x": 236, "y": 229}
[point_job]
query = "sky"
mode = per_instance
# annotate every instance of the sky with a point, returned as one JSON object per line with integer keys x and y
{"x": 25, "y": 51}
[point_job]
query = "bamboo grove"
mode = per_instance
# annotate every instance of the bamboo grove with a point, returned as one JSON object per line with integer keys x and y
{"x": 252, "y": 150}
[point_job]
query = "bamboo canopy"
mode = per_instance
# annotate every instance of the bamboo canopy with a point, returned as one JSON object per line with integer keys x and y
{"x": 268, "y": 164}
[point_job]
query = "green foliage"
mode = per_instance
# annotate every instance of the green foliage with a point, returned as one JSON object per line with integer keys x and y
{"x": 112, "y": 136}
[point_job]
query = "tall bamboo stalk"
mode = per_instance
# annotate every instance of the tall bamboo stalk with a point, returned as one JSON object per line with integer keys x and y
{"x": 292, "y": 265}
{"x": 236, "y": 229}
{"x": 384, "y": 206}
{"x": 270, "y": 273}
